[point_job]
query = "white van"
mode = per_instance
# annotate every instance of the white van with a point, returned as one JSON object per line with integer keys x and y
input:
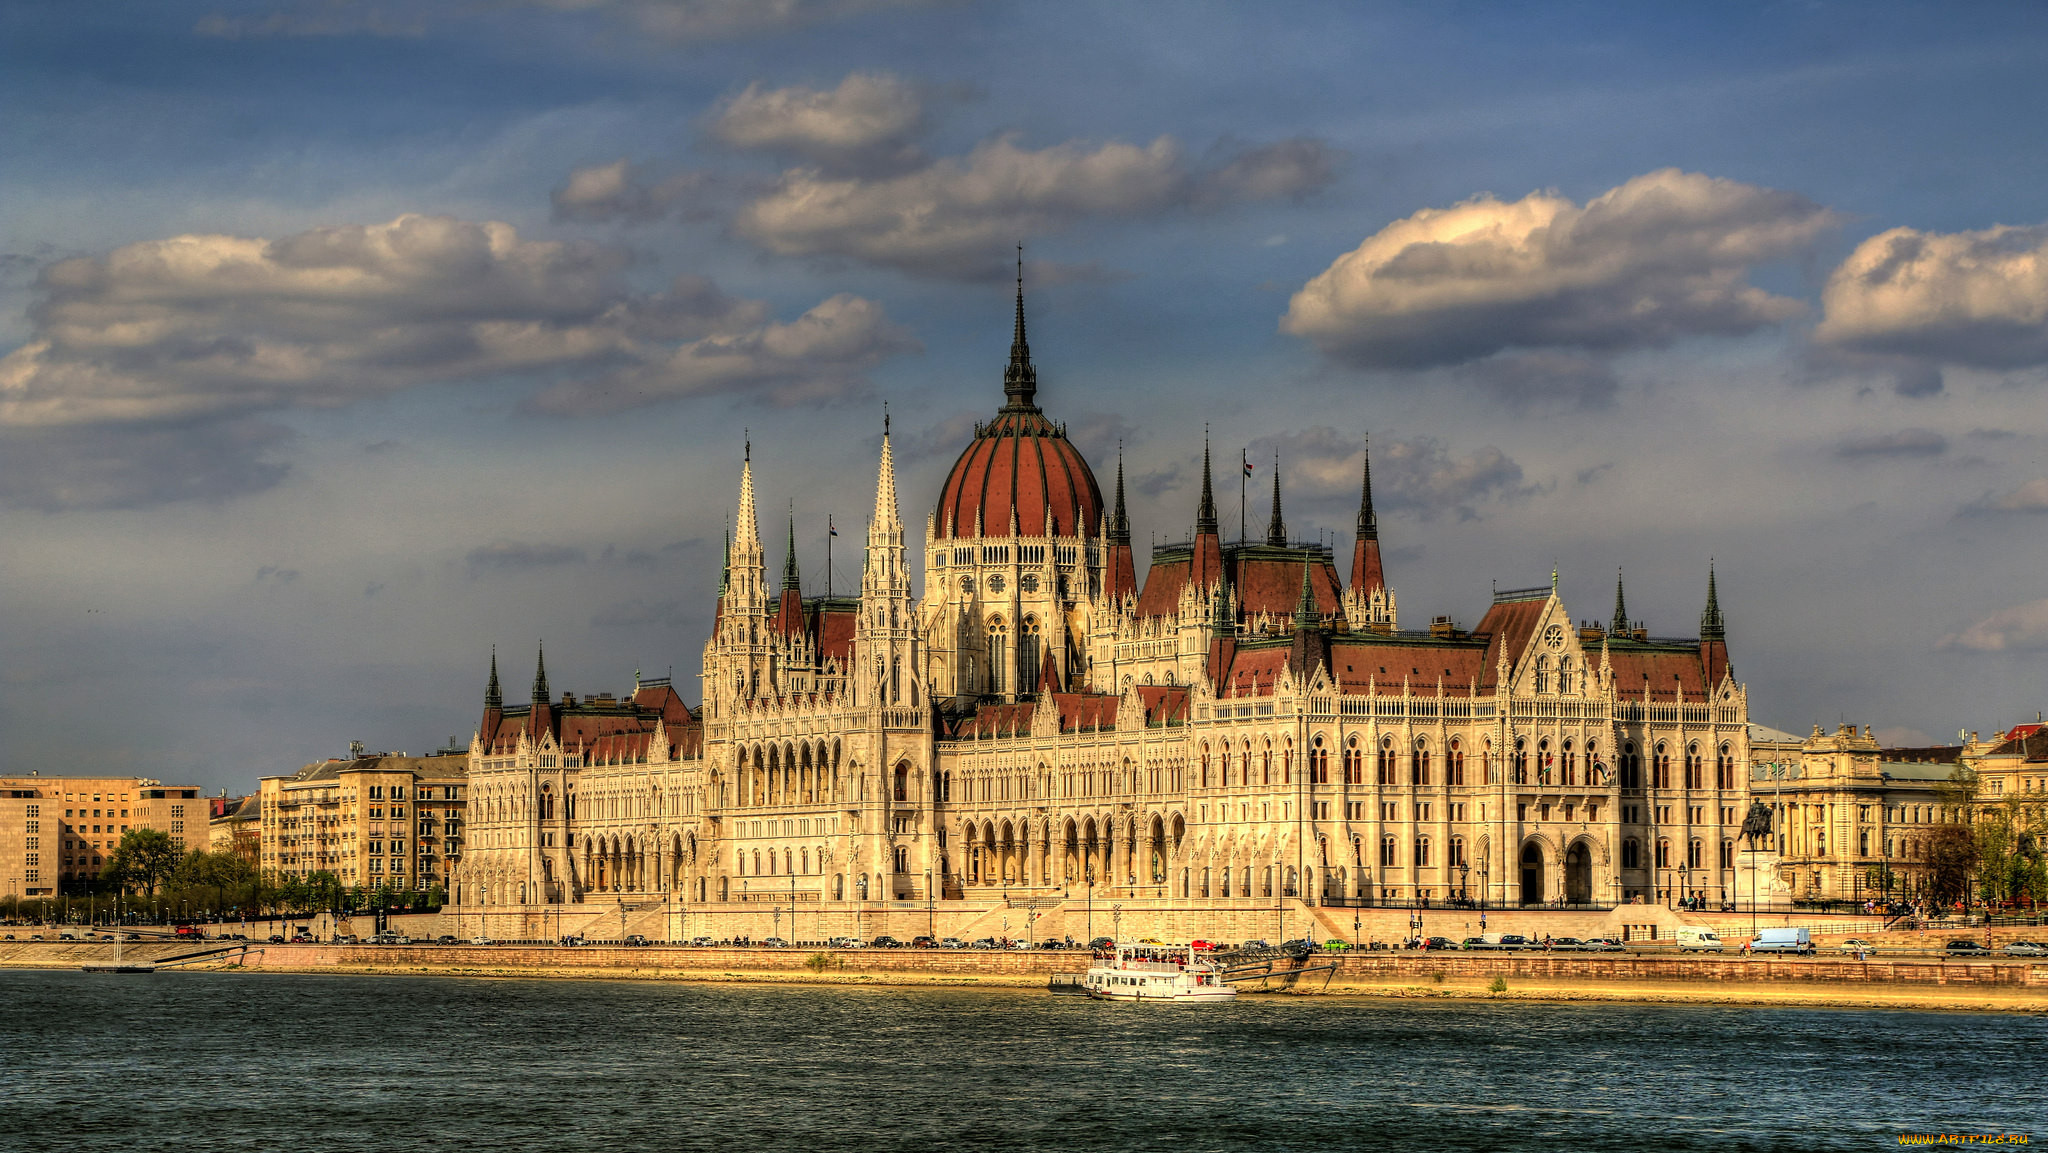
{"x": 1782, "y": 941}
{"x": 1695, "y": 940}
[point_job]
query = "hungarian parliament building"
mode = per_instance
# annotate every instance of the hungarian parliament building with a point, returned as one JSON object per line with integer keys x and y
{"x": 1247, "y": 722}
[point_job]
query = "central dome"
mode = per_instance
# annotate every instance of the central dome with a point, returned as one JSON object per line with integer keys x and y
{"x": 1020, "y": 465}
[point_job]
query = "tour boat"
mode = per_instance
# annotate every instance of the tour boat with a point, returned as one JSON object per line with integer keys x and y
{"x": 1138, "y": 972}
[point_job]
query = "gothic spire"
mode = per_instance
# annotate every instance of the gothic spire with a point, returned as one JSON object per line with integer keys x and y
{"x": 540, "y": 676}
{"x": 749, "y": 524}
{"x": 1305, "y": 609}
{"x": 494, "y": 698}
{"x": 1368, "y": 524}
{"x": 725, "y": 571}
{"x": 1619, "y": 625}
{"x": 1711, "y": 624}
{"x": 888, "y": 518}
{"x": 1020, "y": 379}
{"x": 1276, "y": 531}
{"x": 1205, "y": 517}
{"x": 1119, "y": 518}
{"x": 789, "y": 578}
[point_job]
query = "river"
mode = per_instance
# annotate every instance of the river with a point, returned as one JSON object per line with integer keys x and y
{"x": 206, "y": 1061}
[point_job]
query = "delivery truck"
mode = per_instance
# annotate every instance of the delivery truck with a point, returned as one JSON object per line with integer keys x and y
{"x": 1788, "y": 940}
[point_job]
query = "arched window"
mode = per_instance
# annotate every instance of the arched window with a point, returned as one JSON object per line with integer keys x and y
{"x": 1631, "y": 853}
{"x": 1457, "y": 853}
{"x": 1318, "y": 763}
{"x": 1571, "y": 766}
{"x": 1660, "y": 768}
{"x": 1421, "y": 852}
{"x": 1354, "y": 764}
{"x": 1457, "y": 759}
{"x": 1663, "y": 854}
{"x": 1695, "y": 767}
{"x": 1205, "y": 776}
{"x": 1695, "y": 854}
{"x": 1542, "y": 674}
{"x": 998, "y": 634}
{"x": 1521, "y": 762}
{"x": 1564, "y": 674}
{"x": 1631, "y": 767}
{"x": 1419, "y": 761}
{"x": 1386, "y": 761}
{"x": 1027, "y": 655}
{"x": 1724, "y": 768}
{"x": 1387, "y": 851}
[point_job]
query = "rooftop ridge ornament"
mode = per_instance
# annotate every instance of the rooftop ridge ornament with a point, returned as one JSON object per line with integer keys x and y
{"x": 1020, "y": 379}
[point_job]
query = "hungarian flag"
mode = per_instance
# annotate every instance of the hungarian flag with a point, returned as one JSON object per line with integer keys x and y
{"x": 830, "y": 528}
{"x": 1247, "y": 463}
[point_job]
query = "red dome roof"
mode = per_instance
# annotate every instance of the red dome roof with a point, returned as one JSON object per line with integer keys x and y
{"x": 1023, "y": 462}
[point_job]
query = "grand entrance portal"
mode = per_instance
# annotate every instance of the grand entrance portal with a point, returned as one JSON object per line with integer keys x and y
{"x": 1578, "y": 874}
{"x": 1532, "y": 874}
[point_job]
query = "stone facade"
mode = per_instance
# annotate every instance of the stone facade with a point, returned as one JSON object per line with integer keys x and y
{"x": 1038, "y": 726}
{"x": 60, "y": 831}
{"x": 371, "y": 820}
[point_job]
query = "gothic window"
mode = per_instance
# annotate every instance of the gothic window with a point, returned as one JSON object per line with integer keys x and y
{"x": 1421, "y": 852}
{"x": 1457, "y": 762}
{"x": 1205, "y": 768}
{"x": 1724, "y": 769}
{"x": 1521, "y": 762}
{"x": 1318, "y": 764}
{"x": 1727, "y": 854}
{"x": 1386, "y": 761}
{"x": 1354, "y": 766}
{"x": 1027, "y": 654}
{"x": 1631, "y": 767}
{"x": 1457, "y": 852}
{"x": 1660, "y": 767}
{"x": 1420, "y": 761}
{"x": 1571, "y": 766}
{"x": 1028, "y": 582}
{"x": 1564, "y": 674}
{"x": 1695, "y": 767}
{"x": 995, "y": 582}
{"x": 1266, "y": 765}
{"x": 1695, "y": 855}
{"x": 1631, "y": 853}
{"x": 1542, "y": 674}
{"x": 1387, "y": 851}
{"x": 1663, "y": 854}
{"x": 997, "y": 647}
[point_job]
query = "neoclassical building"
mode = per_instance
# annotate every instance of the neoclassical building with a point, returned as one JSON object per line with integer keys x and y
{"x": 1246, "y": 722}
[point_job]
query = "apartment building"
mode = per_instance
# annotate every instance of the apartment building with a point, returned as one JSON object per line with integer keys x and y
{"x": 373, "y": 819}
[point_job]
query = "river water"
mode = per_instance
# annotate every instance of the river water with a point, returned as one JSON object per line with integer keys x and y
{"x": 205, "y": 1061}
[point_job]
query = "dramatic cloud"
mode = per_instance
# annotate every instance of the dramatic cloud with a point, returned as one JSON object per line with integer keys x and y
{"x": 131, "y": 466}
{"x": 201, "y": 331}
{"x": 864, "y": 126}
{"x": 1416, "y": 474}
{"x": 1909, "y": 442}
{"x": 621, "y": 191}
{"x": 1977, "y": 299}
{"x": 2029, "y": 497}
{"x": 956, "y": 217}
{"x": 1661, "y": 257}
{"x": 2023, "y": 628}
{"x": 821, "y": 354}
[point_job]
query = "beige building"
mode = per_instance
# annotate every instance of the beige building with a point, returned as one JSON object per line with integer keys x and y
{"x": 1243, "y": 725}
{"x": 235, "y": 826}
{"x": 376, "y": 819}
{"x": 57, "y": 832}
{"x": 1847, "y": 814}
{"x": 2011, "y": 764}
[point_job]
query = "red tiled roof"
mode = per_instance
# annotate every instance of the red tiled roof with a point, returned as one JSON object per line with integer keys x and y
{"x": 1360, "y": 661}
{"x": 1663, "y": 671}
{"x": 1163, "y": 582}
{"x": 1272, "y": 585}
{"x": 1513, "y": 622}
{"x": 1164, "y": 704}
{"x": 1021, "y": 462}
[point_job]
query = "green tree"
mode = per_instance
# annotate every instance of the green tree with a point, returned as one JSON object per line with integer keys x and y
{"x": 1951, "y": 857}
{"x": 144, "y": 860}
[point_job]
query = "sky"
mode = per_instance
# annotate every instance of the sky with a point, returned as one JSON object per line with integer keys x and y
{"x": 341, "y": 342}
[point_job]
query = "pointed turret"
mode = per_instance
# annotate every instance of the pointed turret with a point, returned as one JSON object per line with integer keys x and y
{"x": 789, "y": 611}
{"x": 1619, "y": 625}
{"x": 1368, "y": 577}
{"x": 540, "y": 674}
{"x": 1222, "y": 637}
{"x": 1120, "y": 569}
{"x": 888, "y": 514}
{"x": 1713, "y": 636}
{"x": 1276, "y": 529}
{"x": 1020, "y": 379}
{"x": 494, "y": 706}
{"x": 494, "y": 697}
{"x": 1048, "y": 675}
{"x": 789, "y": 575}
{"x": 1311, "y": 647}
{"x": 1207, "y": 567}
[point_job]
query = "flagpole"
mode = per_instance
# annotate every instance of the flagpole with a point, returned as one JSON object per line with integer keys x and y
{"x": 830, "y": 532}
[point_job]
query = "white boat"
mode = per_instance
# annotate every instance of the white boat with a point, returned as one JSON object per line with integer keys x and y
{"x": 1141, "y": 972}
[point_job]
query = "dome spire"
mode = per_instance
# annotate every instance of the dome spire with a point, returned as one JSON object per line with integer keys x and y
{"x": 1368, "y": 522}
{"x": 1020, "y": 379}
{"x": 1276, "y": 531}
{"x": 1619, "y": 625}
{"x": 494, "y": 697}
{"x": 789, "y": 577}
{"x": 1205, "y": 516}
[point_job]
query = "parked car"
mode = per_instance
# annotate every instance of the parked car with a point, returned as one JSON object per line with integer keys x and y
{"x": 277, "y": 938}
{"x": 348, "y": 939}
{"x": 1960, "y": 948}
{"x": 571, "y": 941}
{"x": 885, "y": 941}
{"x": 1602, "y": 945}
{"x": 1103, "y": 943}
{"x": 952, "y": 943}
{"x": 302, "y": 939}
{"x": 1792, "y": 939}
{"x": 1437, "y": 943}
{"x": 1248, "y": 946}
{"x": 1199, "y": 943}
{"x": 983, "y": 943}
{"x": 1336, "y": 945}
{"x": 1696, "y": 940}
{"x": 1855, "y": 945}
{"x": 769, "y": 943}
{"x": 2025, "y": 949}
{"x": 923, "y": 942}
{"x": 843, "y": 943}
{"x": 701, "y": 942}
{"x": 1515, "y": 941}
{"x": 635, "y": 940}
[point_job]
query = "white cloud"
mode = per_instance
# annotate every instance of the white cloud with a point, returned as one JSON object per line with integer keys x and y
{"x": 2022, "y": 628}
{"x": 199, "y": 332}
{"x": 957, "y": 217}
{"x": 2029, "y": 497}
{"x": 1963, "y": 298}
{"x": 865, "y": 125}
{"x": 1661, "y": 257}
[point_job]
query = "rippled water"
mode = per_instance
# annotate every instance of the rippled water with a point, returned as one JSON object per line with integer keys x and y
{"x": 203, "y": 1061}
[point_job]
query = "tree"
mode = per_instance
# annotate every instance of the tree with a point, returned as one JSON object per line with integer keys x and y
{"x": 1951, "y": 857}
{"x": 144, "y": 859}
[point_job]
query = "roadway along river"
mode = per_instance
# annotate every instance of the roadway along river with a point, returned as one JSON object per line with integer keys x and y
{"x": 205, "y": 1061}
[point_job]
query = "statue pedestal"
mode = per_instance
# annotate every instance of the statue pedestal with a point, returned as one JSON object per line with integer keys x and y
{"x": 1757, "y": 880}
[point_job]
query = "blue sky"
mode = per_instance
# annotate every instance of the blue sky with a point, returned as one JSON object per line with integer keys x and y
{"x": 341, "y": 341}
